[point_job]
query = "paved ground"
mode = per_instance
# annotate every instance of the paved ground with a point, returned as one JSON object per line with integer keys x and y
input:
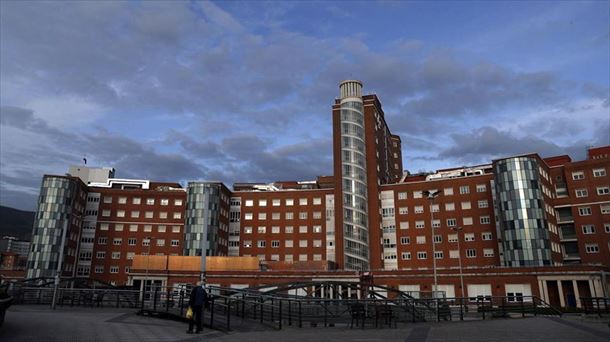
{"x": 38, "y": 323}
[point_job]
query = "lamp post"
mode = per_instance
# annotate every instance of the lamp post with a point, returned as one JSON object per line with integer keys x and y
{"x": 149, "y": 239}
{"x": 432, "y": 195}
{"x": 60, "y": 261}
{"x": 457, "y": 230}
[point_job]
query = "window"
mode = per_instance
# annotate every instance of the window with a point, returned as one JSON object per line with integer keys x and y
{"x": 163, "y": 214}
{"x": 249, "y": 203}
{"x": 114, "y": 269}
{"x": 120, "y": 213}
{"x": 403, "y": 210}
{"x": 604, "y": 208}
{"x": 420, "y": 240}
{"x": 100, "y": 255}
{"x": 302, "y": 257}
{"x": 434, "y": 208}
{"x": 471, "y": 253}
{"x": 175, "y": 229}
{"x": 177, "y": 202}
{"x": 422, "y": 255}
{"x": 160, "y": 242}
{"x": 136, "y": 200}
{"x": 99, "y": 269}
{"x": 417, "y": 194}
{"x": 102, "y": 240}
{"x": 161, "y": 229}
{"x": 135, "y": 214}
{"x": 289, "y": 229}
{"x": 122, "y": 200}
{"x": 176, "y": 243}
{"x": 275, "y": 230}
{"x": 418, "y": 209}
{"x": 452, "y": 238}
{"x": 607, "y": 227}
{"x": 464, "y": 189}
{"x": 261, "y": 244}
{"x": 164, "y": 201}
{"x": 405, "y": 240}
{"x": 247, "y": 244}
{"x": 302, "y": 243}
{"x": 592, "y": 248}
{"x": 148, "y": 214}
{"x": 148, "y": 228}
{"x": 420, "y": 224}
{"x": 289, "y": 216}
{"x": 317, "y": 243}
{"x": 451, "y": 222}
{"x": 454, "y": 254}
{"x": 588, "y": 229}
{"x": 262, "y": 202}
{"x": 275, "y": 244}
{"x": 107, "y": 199}
{"x": 303, "y": 215}
{"x": 578, "y": 175}
{"x": 150, "y": 201}
{"x": 485, "y": 220}
{"x": 481, "y": 188}
{"x": 261, "y": 230}
{"x": 466, "y": 205}
{"x": 603, "y": 190}
{"x": 404, "y": 225}
{"x": 387, "y": 212}
{"x": 303, "y": 229}
{"x": 145, "y": 242}
{"x": 438, "y": 255}
{"x": 599, "y": 172}
{"x": 248, "y": 216}
{"x": 288, "y": 243}
{"x": 317, "y": 229}
{"x": 468, "y": 236}
{"x": 486, "y": 236}
{"x": 436, "y": 223}
{"x": 402, "y": 195}
{"x": 405, "y": 256}
{"x": 177, "y": 215}
{"x": 262, "y": 216}
{"x": 581, "y": 192}
{"x": 289, "y": 202}
{"x": 116, "y": 255}
{"x": 584, "y": 211}
{"x": 132, "y": 241}
{"x": 104, "y": 226}
{"x": 483, "y": 204}
{"x": 448, "y": 191}
{"x": 302, "y": 201}
{"x": 106, "y": 213}
{"x": 317, "y": 214}
{"x": 247, "y": 230}
{"x": 488, "y": 252}
{"x": 133, "y": 227}
{"x": 317, "y": 200}
{"x": 438, "y": 238}
{"x": 449, "y": 206}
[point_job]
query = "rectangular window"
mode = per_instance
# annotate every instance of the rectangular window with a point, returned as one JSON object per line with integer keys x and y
{"x": 289, "y": 202}
{"x": 317, "y": 214}
{"x": 107, "y": 199}
{"x": 122, "y": 200}
{"x": 105, "y": 213}
{"x": 303, "y": 229}
{"x": 248, "y": 216}
{"x": 249, "y": 203}
{"x": 403, "y": 210}
{"x": 483, "y": 204}
{"x": 262, "y": 216}
{"x": 466, "y": 205}
{"x": 178, "y": 202}
{"x": 581, "y": 193}
{"x": 100, "y": 255}
{"x": 136, "y": 200}
{"x": 402, "y": 195}
{"x": 261, "y": 243}
{"x": 247, "y": 244}
{"x": 164, "y": 201}
{"x": 114, "y": 269}
{"x": 161, "y": 229}
{"x": 150, "y": 201}
{"x": 471, "y": 253}
{"x": 405, "y": 256}
{"x": 438, "y": 255}
{"x": 485, "y": 220}
{"x": 481, "y": 188}
{"x": 275, "y": 216}
{"x": 262, "y": 202}
{"x": 148, "y": 214}
{"x": 302, "y": 201}
{"x": 99, "y": 269}
{"x": 289, "y": 216}
{"x": 317, "y": 243}
{"x": 448, "y": 191}
{"x": 133, "y": 227}
{"x": 420, "y": 240}
{"x": 104, "y": 226}
{"x": 469, "y": 237}
{"x": 405, "y": 240}
{"x": 603, "y": 190}
{"x": 317, "y": 200}
{"x": 289, "y": 230}
{"x": 116, "y": 255}
{"x": 438, "y": 238}
{"x": 102, "y": 240}
{"x": 163, "y": 214}
{"x": 604, "y": 208}
{"x": 486, "y": 236}
{"x": 145, "y": 242}
{"x": 247, "y": 230}
{"x": 436, "y": 223}
{"x": 599, "y": 172}
{"x": 464, "y": 189}
{"x": 420, "y": 224}
{"x": 288, "y": 243}
{"x": 120, "y": 213}
{"x": 588, "y": 229}
{"x": 578, "y": 175}
{"x": 452, "y": 237}
{"x": 135, "y": 214}
{"x": 132, "y": 241}
{"x": 434, "y": 208}
{"x": 449, "y": 206}
{"x": 404, "y": 225}
{"x": 275, "y": 202}
{"x": 177, "y": 215}
{"x": 302, "y": 243}
{"x": 148, "y": 228}
{"x": 160, "y": 242}
{"x": 261, "y": 230}
{"x": 422, "y": 255}
{"x": 176, "y": 243}
{"x": 417, "y": 194}
{"x": 584, "y": 211}
{"x": 303, "y": 215}
{"x": 451, "y": 222}
{"x": 488, "y": 252}
{"x": 175, "y": 229}
{"x": 275, "y": 230}
{"x": 317, "y": 229}
{"x": 592, "y": 248}
{"x": 387, "y": 212}
{"x": 454, "y": 254}
{"x": 418, "y": 209}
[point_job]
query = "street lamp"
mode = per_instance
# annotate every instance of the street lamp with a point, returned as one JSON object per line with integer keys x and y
{"x": 149, "y": 239}
{"x": 432, "y": 195}
{"x": 457, "y": 230}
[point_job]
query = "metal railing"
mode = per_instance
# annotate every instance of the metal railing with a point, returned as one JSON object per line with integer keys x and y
{"x": 595, "y": 305}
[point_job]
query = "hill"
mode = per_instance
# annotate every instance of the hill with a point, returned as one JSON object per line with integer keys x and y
{"x": 16, "y": 223}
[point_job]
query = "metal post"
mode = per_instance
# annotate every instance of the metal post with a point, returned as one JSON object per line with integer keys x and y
{"x": 300, "y": 316}
{"x": 155, "y": 299}
{"x": 431, "y": 197}
{"x": 262, "y": 310}
{"x": 522, "y": 307}
{"x": 212, "y": 312}
{"x": 458, "y": 229}
{"x": 229, "y": 315}
{"x": 60, "y": 261}
{"x": 461, "y": 309}
{"x": 289, "y": 312}
{"x": 281, "y": 318}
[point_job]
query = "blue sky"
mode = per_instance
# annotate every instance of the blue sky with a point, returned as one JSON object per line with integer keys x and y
{"x": 241, "y": 91}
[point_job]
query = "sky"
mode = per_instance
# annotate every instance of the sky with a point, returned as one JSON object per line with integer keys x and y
{"x": 242, "y": 91}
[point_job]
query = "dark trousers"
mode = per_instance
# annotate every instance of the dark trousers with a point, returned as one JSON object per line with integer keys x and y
{"x": 196, "y": 319}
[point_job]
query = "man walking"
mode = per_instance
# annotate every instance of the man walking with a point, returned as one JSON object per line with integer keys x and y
{"x": 196, "y": 302}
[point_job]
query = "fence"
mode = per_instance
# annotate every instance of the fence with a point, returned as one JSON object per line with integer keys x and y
{"x": 595, "y": 305}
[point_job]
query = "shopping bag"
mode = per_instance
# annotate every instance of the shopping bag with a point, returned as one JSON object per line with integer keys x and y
{"x": 189, "y": 313}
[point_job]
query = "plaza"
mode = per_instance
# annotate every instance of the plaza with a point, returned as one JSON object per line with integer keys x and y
{"x": 39, "y": 323}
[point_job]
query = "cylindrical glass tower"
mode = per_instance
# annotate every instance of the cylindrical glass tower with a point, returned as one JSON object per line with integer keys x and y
{"x": 353, "y": 177}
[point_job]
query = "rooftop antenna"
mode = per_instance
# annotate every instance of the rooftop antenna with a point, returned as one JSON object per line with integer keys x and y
{"x": 85, "y": 159}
